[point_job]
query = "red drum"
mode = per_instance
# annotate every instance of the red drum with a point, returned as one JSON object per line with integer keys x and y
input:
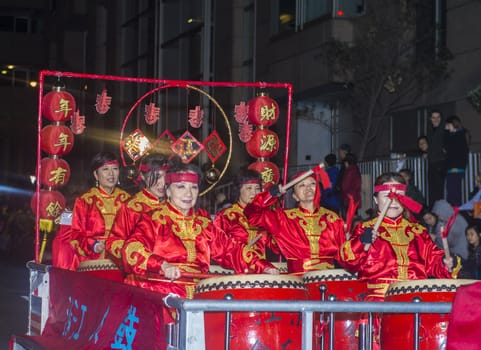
{"x": 254, "y": 330}
{"x": 397, "y": 330}
{"x": 103, "y": 268}
{"x": 345, "y": 287}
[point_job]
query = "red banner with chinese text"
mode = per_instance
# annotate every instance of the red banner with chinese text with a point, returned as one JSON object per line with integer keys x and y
{"x": 87, "y": 312}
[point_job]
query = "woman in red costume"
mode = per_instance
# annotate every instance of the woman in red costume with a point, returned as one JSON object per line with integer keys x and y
{"x": 151, "y": 178}
{"x": 172, "y": 244}
{"x": 233, "y": 221}
{"x": 93, "y": 215}
{"x": 399, "y": 249}
{"x": 308, "y": 236}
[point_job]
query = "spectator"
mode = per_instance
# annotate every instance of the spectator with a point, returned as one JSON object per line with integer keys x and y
{"x": 342, "y": 151}
{"x": 329, "y": 196}
{"x": 472, "y": 266}
{"x": 456, "y": 236}
{"x": 436, "y": 158}
{"x": 456, "y": 145}
{"x": 351, "y": 183}
{"x": 423, "y": 146}
{"x": 412, "y": 191}
{"x": 432, "y": 224}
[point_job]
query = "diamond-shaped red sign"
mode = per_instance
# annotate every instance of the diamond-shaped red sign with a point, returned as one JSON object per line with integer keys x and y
{"x": 136, "y": 144}
{"x": 187, "y": 147}
{"x": 214, "y": 146}
{"x": 163, "y": 143}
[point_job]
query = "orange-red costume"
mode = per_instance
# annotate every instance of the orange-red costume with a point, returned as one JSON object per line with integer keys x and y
{"x": 309, "y": 241}
{"x": 233, "y": 221}
{"x": 92, "y": 219}
{"x": 188, "y": 241}
{"x": 126, "y": 219}
{"x": 403, "y": 251}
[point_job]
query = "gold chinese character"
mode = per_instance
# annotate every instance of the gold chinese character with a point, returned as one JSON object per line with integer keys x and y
{"x": 54, "y": 209}
{"x": 268, "y": 113}
{"x": 64, "y": 107}
{"x": 58, "y": 175}
{"x": 63, "y": 141}
{"x": 268, "y": 143}
{"x": 267, "y": 175}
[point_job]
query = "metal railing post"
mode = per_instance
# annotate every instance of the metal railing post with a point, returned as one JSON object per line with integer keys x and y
{"x": 228, "y": 318}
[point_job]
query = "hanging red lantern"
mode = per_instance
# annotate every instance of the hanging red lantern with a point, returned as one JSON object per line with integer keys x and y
{"x": 264, "y": 143}
{"x": 52, "y": 204}
{"x": 55, "y": 172}
{"x": 58, "y": 105}
{"x": 269, "y": 172}
{"x": 263, "y": 110}
{"x": 56, "y": 139}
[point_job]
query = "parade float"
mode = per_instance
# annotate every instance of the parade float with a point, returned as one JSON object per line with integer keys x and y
{"x": 73, "y": 310}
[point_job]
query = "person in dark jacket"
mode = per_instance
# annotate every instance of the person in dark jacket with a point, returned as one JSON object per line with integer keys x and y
{"x": 456, "y": 145}
{"x": 436, "y": 158}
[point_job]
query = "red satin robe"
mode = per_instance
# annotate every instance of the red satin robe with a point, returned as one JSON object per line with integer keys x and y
{"x": 233, "y": 221}
{"x": 403, "y": 251}
{"x": 93, "y": 215}
{"x": 188, "y": 241}
{"x": 309, "y": 241}
{"x": 125, "y": 221}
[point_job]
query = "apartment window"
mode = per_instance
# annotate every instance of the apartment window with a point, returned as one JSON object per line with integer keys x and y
{"x": 7, "y": 23}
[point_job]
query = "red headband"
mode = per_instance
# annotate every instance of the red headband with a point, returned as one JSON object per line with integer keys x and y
{"x": 145, "y": 168}
{"x": 181, "y": 177}
{"x": 251, "y": 182}
{"x": 407, "y": 202}
{"x": 110, "y": 162}
{"x": 389, "y": 187}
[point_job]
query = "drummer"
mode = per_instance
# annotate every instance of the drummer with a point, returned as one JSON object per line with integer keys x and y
{"x": 399, "y": 249}
{"x": 151, "y": 179}
{"x": 233, "y": 221}
{"x": 308, "y": 236}
{"x": 178, "y": 239}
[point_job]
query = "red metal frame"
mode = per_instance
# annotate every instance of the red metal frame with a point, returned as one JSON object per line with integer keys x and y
{"x": 169, "y": 83}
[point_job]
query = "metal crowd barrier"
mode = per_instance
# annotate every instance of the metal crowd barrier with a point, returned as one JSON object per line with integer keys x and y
{"x": 190, "y": 333}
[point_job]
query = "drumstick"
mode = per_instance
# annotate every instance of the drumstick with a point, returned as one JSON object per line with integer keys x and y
{"x": 379, "y": 220}
{"x": 447, "y": 253}
{"x": 299, "y": 178}
{"x": 254, "y": 240}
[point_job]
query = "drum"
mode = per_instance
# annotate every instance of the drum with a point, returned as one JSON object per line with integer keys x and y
{"x": 345, "y": 287}
{"x": 103, "y": 268}
{"x": 397, "y": 330}
{"x": 254, "y": 330}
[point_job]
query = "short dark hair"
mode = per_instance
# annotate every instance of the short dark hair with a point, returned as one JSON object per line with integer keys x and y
{"x": 100, "y": 159}
{"x": 330, "y": 159}
{"x": 345, "y": 147}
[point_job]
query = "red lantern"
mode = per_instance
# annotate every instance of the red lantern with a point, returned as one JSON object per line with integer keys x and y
{"x": 263, "y": 110}
{"x": 52, "y": 204}
{"x": 56, "y": 139}
{"x": 264, "y": 143}
{"x": 269, "y": 172}
{"x": 55, "y": 172}
{"x": 58, "y": 106}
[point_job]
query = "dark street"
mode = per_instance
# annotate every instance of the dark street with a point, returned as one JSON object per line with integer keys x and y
{"x": 14, "y": 289}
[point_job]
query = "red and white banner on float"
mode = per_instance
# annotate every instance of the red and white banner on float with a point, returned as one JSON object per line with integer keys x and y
{"x": 86, "y": 312}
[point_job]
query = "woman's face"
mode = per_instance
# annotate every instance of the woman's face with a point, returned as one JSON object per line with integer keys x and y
{"x": 423, "y": 145}
{"x": 107, "y": 176}
{"x": 158, "y": 188}
{"x": 305, "y": 191}
{"x": 183, "y": 195}
{"x": 395, "y": 208}
{"x": 429, "y": 219}
{"x": 472, "y": 237}
{"x": 248, "y": 192}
